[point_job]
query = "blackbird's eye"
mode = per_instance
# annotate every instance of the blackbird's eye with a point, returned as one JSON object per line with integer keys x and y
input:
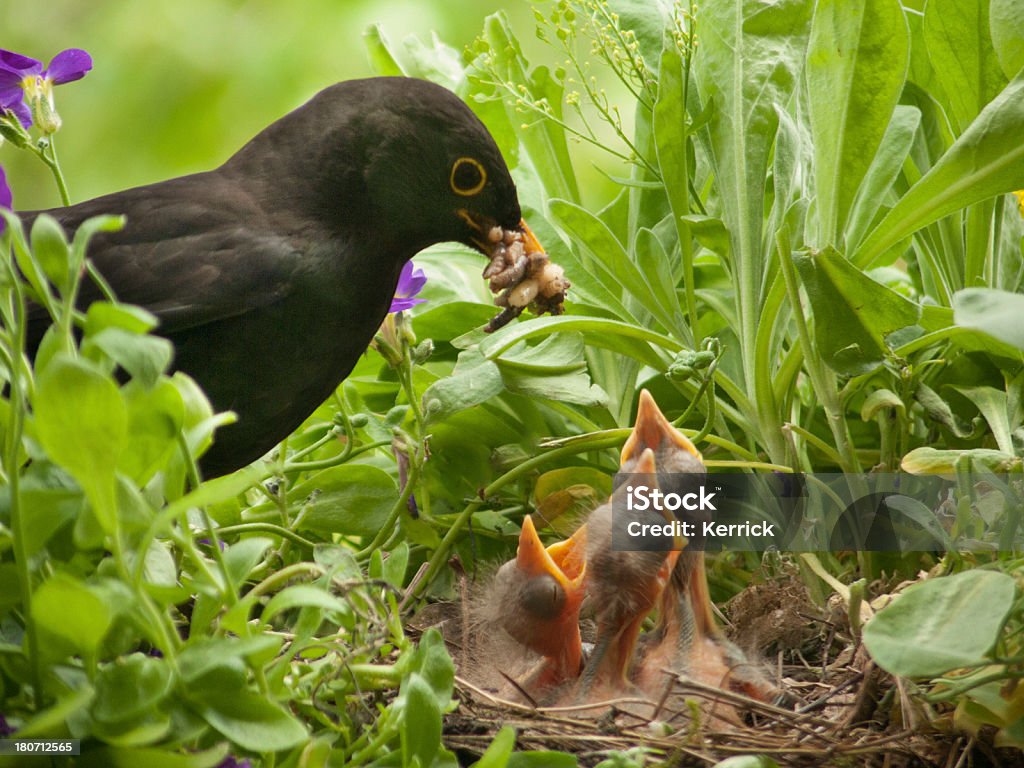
{"x": 468, "y": 177}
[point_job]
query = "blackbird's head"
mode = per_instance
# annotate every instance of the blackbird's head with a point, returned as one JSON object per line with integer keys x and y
{"x": 432, "y": 169}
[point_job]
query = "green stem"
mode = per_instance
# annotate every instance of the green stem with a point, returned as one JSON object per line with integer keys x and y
{"x": 13, "y": 469}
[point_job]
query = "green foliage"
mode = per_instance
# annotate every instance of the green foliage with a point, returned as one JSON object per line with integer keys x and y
{"x": 802, "y": 243}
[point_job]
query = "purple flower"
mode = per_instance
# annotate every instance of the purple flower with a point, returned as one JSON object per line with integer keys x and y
{"x": 410, "y": 282}
{"x": 233, "y": 762}
{"x": 27, "y": 88}
{"x": 5, "y": 196}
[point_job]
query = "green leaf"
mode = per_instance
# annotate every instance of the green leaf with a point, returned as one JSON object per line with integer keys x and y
{"x": 70, "y": 616}
{"x": 747, "y": 761}
{"x": 882, "y": 173}
{"x": 941, "y": 624}
{"x": 500, "y": 749}
{"x": 608, "y": 257}
{"x": 852, "y": 313}
{"x": 881, "y": 399}
{"x": 1008, "y": 35}
{"x": 301, "y": 596}
{"x": 749, "y": 61}
{"x": 395, "y": 565}
{"x": 932, "y": 461}
{"x": 561, "y": 353}
{"x": 242, "y": 556}
{"x": 474, "y": 381}
{"x": 994, "y": 312}
{"x": 50, "y": 246}
{"x": 542, "y": 759}
{"x": 251, "y": 721}
{"x": 421, "y": 722}
{"x": 351, "y": 499}
{"x": 857, "y": 59}
{"x": 155, "y": 417}
{"x": 82, "y": 422}
{"x": 631, "y": 340}
{"x": 143, "y": 357}
{"x": 128, "y": 317}
{"x": 987, "y": 160}
{"x": 993, "y": 405}
{"x": 129, "y": 757}
{"x": 130, "y": 687}
{"x": 959, "y": 44}
{"x": 382, "y": 60}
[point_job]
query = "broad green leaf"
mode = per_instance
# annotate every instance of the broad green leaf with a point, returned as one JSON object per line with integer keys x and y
{"x": 50, "y": 246}
{"x": 856, "y": 63}
{"x": 561, "y": 353}
{"x": 852, "y": 313}
{"x": 242, "y": 556}
{"x": 573, "y": 387}
{"x": 997, "y": 313}
{"x": 70, "y": 616}
{"x": 132, "y": 757}
{"x": 421, "y": 722}
{"x": 250, "y": 720}
{"x": 82, "y": 422}
{"x": 432, "y": 662}
{"x": 941, "y": 624}
{"x": 379, "y": 51}
{"x": 648, "y": 21}
{"x": 992, "y": 403}
{"x": 155, "y": 417}
{"x": 959, "y": 44}
{"x": 542, "y": 759}
{"x": 128, "y": 317}
{"x": 987, "y": 160}
{"x": 1007, "y": 24}
{"x": 129, "y": 687}
{"x": 749, "y": 60}
{"x": 351, "y": 499}
{"x": 49, "y": 509}
{"x": 143, "y": 357}
{"x": 474, "y": 381}
{"x": 499, "y": 751}
{"x": 882, "y": 173}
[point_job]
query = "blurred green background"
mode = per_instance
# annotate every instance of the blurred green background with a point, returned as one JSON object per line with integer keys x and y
{"x": 179, "y": 85}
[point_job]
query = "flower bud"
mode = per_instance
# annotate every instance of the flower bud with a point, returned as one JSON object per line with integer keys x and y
{"x": 39, "y": 96}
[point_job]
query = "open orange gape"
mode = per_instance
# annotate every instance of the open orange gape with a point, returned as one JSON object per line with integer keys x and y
{"x": 538, "y": 597}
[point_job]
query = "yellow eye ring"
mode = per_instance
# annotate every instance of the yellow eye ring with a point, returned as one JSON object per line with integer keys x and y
{"x": 472, "y": 177}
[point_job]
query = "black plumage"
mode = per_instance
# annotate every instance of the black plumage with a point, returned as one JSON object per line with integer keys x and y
{"x": 271, "y": 273}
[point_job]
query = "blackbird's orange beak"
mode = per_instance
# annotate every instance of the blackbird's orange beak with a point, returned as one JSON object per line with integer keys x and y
{"x": 652, "y": 429}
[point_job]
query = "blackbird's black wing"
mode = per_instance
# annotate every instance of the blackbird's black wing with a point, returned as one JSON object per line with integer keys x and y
{"x": 184, "y": 254}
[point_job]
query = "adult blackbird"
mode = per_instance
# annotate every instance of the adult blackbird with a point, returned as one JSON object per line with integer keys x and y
{"x": 272, "y": 273}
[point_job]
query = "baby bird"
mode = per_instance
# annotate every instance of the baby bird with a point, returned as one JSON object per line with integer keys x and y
{"x": 537, "y": 597}
{"x": 623, "y": 585}
{"x": 687, "y": 639}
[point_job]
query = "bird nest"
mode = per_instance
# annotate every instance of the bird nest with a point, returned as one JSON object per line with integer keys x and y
{"x": 845, "y": 711}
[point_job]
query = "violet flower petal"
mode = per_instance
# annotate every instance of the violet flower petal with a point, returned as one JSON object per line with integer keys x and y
{"x": 410, "y": 282}
{"x": 68, "y": 66}
{"x": 19, "y": 65}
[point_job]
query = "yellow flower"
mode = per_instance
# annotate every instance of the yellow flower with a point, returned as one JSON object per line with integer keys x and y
{"x": 1020, "y": 200}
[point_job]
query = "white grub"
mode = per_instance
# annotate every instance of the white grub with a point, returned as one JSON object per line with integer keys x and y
{"x": 495, "y": 234}
{"x": 523, "y": 293}
{"x": 552, "y": 280}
